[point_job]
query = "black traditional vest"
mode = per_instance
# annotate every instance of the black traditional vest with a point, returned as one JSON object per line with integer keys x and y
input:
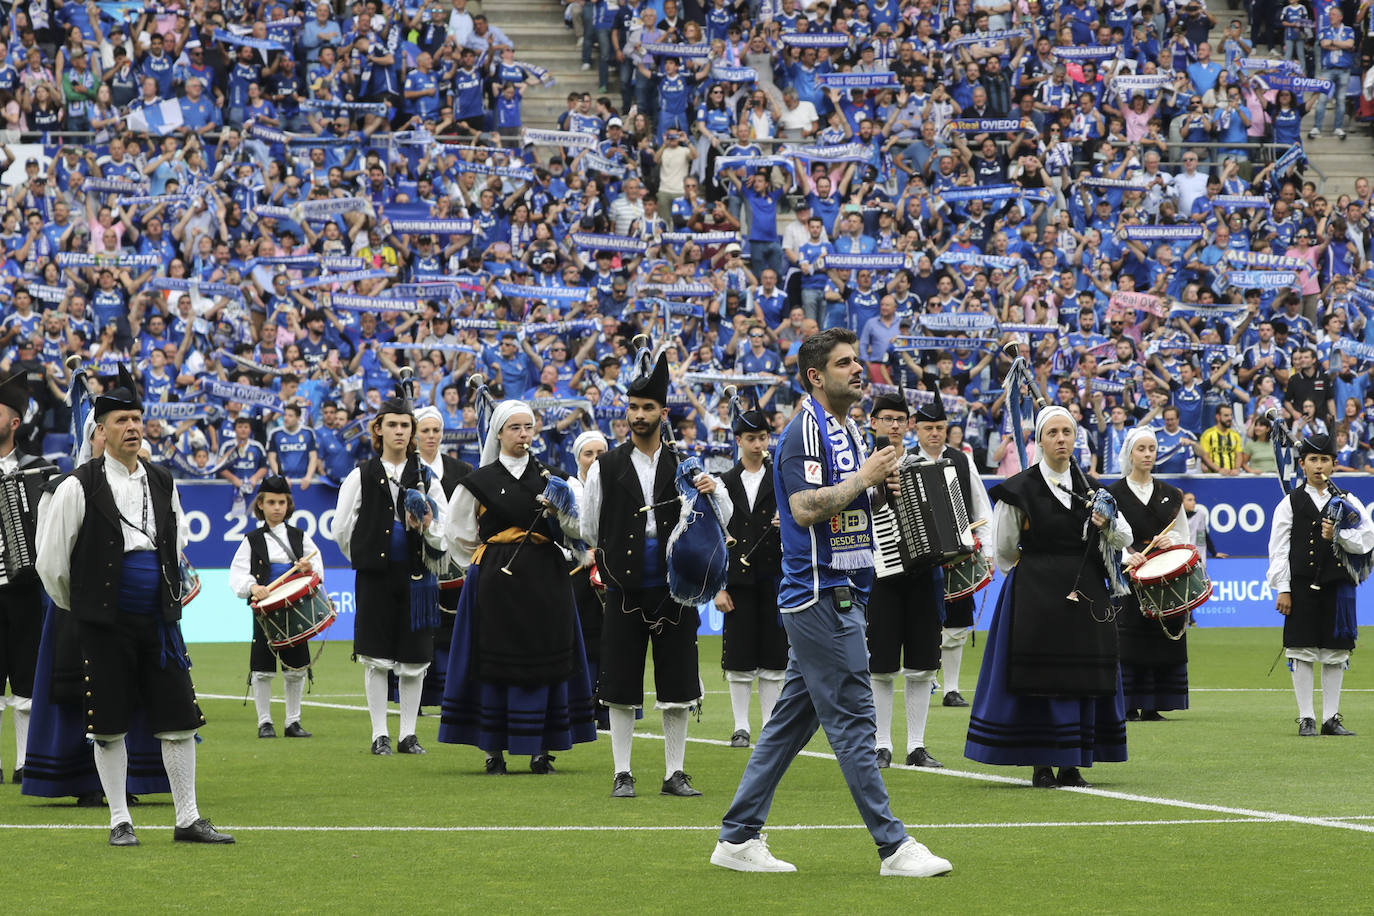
{"x": 258, "y": 562}
{"x": 1305, "y": 544}
{"x": 620, "y": 531}
{"x": 752, "y": 529}
{"x": 508, "y": 502}
{"x": 1052, "y": 528}
{"x": 371, "y": 545}
{"x": 97, "y": 557}
{"x": 1146, "y": 521}
{"x": 455, "y": 469}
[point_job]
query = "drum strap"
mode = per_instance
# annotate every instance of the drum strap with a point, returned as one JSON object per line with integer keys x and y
{"x": 286, "y": 548}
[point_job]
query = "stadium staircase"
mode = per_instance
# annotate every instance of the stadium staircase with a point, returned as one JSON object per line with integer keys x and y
{"x": 536, "y": 27}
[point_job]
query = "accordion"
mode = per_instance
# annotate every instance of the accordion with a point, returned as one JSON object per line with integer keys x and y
{"x": 17, "y": 523}
{"x": 925, "y": 525}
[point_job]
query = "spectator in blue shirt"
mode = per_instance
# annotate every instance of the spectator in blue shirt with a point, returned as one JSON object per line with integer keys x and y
{"x": 1336, "y": 50}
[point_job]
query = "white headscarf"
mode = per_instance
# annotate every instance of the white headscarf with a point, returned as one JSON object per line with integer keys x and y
{"x": 491, "y": 448}
{"x": 1133, "y": 435}
{"x": 1049, "y": 413}
{"x": 591, "y": 435}
{"x": 428, "y": 412}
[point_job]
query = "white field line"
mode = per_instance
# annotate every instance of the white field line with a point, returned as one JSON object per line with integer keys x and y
{"x": 1277, "y": 816}
{"x": 665, "y": 828}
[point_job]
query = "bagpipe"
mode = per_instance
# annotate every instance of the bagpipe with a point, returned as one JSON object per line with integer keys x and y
{"x": 698, "y": 551}
{"x": 1098, "y": 501}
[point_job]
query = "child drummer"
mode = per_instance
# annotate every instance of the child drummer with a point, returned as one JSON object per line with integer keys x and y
{"x": 263, "y": 557}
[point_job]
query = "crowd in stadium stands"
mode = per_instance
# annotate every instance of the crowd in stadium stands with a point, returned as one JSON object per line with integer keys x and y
{"x": 224, "y": 193}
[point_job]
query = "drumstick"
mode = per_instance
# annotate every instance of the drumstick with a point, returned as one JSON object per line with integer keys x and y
{"x": 1155, "y": 540}
{"x": 978, "y": 524}
{"x": 292, "y": 571}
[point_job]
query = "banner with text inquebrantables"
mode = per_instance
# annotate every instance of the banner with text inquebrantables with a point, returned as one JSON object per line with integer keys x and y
{"x": 1240, "y": 508}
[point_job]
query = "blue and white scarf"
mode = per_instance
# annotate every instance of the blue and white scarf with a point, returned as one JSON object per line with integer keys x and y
{"x": 850, "y": 549}
{"x": 601, "y": 241}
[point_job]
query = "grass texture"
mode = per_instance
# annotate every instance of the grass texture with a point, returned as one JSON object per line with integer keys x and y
{"x": 1222, "y": 809}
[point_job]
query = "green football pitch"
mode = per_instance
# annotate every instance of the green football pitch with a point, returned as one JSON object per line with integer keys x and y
{"x": 1220, "y": 809}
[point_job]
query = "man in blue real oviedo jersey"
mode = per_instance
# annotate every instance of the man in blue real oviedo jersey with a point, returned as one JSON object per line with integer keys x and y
{"x": 823, "y": 483}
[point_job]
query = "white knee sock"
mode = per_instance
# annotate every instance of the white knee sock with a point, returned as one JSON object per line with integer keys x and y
{"x": 882, "y": 707}
{"x": 262, "y": 696}
{"x": 741, "y": 688}
{"x": 409, "y": 695}
{"x": 1302, "y": 688}
{"x": 917, "y": 708}
{"x": 1332, "y": 675}
{"x": 112, "y": 764}
{"x": 674, "y": 740}
{"x": 374, "y": 685}
{"x": 622, "y": 737}
{"x": 770, "y": 686}
{"x": 294, "y": 687}
{"x": 950, "y": 662}
{"x": 20, "y": 705}
{"x": 179, "y": 757}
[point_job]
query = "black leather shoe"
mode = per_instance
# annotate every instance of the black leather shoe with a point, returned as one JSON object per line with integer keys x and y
{"x": 739, "y": 739}
{"x": 18, "y": 776}
{"x": 123, "y": 835}
{"x": 381, "y": 746}
{"x": 202, "y": 831}
{"x": 624, "y": 786}
{"x": 1132, "y": 715}
{"x": 496, "y": 766}
{"x": 953, "y": 698}
{"x": 1043, "y": 778}
{"x": 1307, "y": 727}
{"x": 409, "y": 745}
{"x": 294, "y": 730}
{"x": 884, "y": 758}
{"x": 1331, "y": 726}
{"x": 542, "y": 764}
{"x": 1069, "y": 776}
{"x": 1151, "y": 715}
{"x": 920, "y": 758}
{"x": 679, "y": 784}
{"x": 266, "y": 730}
{"x": 90, "y": 800}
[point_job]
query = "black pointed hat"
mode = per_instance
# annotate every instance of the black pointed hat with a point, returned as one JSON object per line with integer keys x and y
{"x": 890, "y": 401}
{"x": 275, "y": 483}
{"x": 651, "y": 377}
{"x": 747, "y": 420}
{"x": 123, "y": 396}
{"x": 14, "y": 393}
{"x": 1317, "y": 444}
{"x": 934, "y": 412}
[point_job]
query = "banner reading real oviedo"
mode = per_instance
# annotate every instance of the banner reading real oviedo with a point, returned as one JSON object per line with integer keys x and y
{"x": 1240, "y": 508}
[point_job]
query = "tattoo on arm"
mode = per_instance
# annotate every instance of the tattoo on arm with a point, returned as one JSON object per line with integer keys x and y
{"x": 812, "y": 506}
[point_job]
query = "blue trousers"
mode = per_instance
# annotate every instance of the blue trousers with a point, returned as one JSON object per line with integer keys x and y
{"x": 826, "y": 686}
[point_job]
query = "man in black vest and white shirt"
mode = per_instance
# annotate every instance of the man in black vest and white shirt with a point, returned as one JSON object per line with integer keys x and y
{"x": 753, "y": 643}
{"x": 21, "y": 596}
{"x": 387, "y": 547}
{"x": 108, "y": 549}
{"x": 630, "y": 506}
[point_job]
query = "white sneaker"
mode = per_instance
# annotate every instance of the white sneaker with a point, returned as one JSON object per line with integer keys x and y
{"x": 751, "y": 855}
{"x": 1340, "y": 134}
{"x": 913, "y": 860}
{"x": 1313, "y": 134}
{"x": 586, "y": 66}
